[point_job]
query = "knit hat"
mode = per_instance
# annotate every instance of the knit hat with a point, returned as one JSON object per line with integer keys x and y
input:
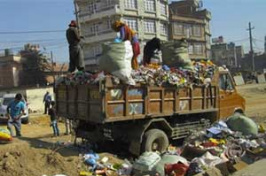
{"x": 73, "y": 23}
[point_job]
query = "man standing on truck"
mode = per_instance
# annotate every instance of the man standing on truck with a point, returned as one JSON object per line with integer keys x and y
{"x": 76, "y": 59}
{"x": 15, "y": 110}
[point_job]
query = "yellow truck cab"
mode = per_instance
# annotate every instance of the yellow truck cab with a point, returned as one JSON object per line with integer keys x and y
{"x": 230, "y": 100}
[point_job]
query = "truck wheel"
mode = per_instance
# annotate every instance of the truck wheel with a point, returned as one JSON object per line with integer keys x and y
{"x": 155, "y": 140}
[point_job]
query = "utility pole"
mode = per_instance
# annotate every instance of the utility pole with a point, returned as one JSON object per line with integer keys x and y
{"x": 251, "y": 45}
{"x": 76, "y": 13}
{"x": 265, "y": 45}
{"x": 52, "y": 60}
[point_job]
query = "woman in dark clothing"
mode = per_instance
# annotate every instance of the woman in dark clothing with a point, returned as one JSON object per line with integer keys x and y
{"x": 150, "y": 48}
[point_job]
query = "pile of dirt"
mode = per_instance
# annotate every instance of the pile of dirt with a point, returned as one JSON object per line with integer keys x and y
{"x": 21, "y": 159}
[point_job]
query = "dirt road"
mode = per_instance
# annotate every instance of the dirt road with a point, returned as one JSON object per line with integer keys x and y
{"x": 255, "y": 95}
{"x": 38, "y": 153}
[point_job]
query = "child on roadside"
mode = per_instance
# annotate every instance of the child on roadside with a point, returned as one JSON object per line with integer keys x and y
{"x": 53, "y": 118}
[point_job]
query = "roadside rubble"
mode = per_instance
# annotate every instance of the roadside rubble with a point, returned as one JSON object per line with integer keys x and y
{"x": 218, "y": 150}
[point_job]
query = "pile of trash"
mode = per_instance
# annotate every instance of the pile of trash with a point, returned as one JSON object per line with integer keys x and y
{"x": 202, "y": 73}
{"x": 225, "y": 147}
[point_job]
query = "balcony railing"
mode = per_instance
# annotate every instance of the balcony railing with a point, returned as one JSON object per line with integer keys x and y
{"x": 99, "y": 10}
{"x": 91, "y": 34}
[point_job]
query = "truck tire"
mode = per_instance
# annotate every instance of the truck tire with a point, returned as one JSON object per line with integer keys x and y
{"x": 155, "y": 140}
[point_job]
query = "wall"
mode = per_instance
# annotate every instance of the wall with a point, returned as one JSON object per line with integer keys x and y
{"x": 34, "y": 96}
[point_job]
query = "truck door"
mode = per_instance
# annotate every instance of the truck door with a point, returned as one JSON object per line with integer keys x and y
{"x": 229, "y": 98}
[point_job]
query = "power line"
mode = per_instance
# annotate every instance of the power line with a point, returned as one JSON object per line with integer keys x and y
{"x": 30, "y": 32}
{"x": 240, "y": 40}
{"x": 258, "y": 40}
{"x": 35, "y": 40}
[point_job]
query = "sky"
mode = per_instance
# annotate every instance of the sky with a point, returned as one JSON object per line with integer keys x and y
{"x": 230, "y": 19}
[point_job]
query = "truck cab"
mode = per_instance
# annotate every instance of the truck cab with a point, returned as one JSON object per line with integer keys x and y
{"x": 230, "y": 100}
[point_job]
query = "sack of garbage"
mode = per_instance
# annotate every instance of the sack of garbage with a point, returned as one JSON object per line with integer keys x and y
{"x": 116, "y": 60}
{"x": 239, "y": 122}
{"x": 175, "y": 54}
{"x": 5, "y": 135}
{"x": 146, "y": 161}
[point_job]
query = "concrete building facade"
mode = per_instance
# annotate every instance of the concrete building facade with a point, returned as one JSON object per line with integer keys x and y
{"x": 188, "y": 20}
{"x": 227, "y": 54}
{"x": 10, "y": 68}
{"x": 149, "y": 18}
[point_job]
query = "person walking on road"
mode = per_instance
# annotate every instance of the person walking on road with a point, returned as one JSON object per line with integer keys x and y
{"x": 53, "y": 118}
{"x": 76, "y": 59}
{"x": 47, "y": 101}
{"x": 15, "y": 110}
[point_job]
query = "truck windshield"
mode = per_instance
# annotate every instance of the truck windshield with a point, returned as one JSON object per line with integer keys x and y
{"x": 225, "y": 82}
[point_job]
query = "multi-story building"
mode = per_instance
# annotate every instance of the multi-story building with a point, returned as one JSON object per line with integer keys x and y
{"x": 189, "y": 21}
{"x": 10, "y": 67}
{"x": 227, "y": 54}
{"x": 149, "y": 18}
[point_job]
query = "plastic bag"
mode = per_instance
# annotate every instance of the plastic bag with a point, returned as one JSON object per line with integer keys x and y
{"x": 116, "y": 59}
{"x": 239, "y": 122}
{"x": 175, "y": 54}
{"x": 5, "y": 135}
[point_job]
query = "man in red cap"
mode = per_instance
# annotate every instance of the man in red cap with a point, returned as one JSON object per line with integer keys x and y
{"x": 75, "y": 52}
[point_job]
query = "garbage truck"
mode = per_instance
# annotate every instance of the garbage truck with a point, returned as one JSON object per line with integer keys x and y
{"x": 146, "y": 117}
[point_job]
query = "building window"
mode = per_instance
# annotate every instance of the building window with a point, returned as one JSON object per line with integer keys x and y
{"x": 188, "y": 30}
{"x": 131, "y": 4}
{"x": 149, "y": 5}
{"x": 97, "y": 50}
{"x": 94, "y": 28}
{"x": 132, "y": 23}
{"x": 197, "y": 30}
{"x": 163, "y": 28}
{"x": 92, "y": 7}
{"x": 198, "y": 49}
{"x": 178, "y": 29}
{"x": 190, "y": 49}
{"x": 163, "y": 8}
{"x": 109, "y": 24}
{"x": 108, "y": 2}
{"x": 149, "y": 26}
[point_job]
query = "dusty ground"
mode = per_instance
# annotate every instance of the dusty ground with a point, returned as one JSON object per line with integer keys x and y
{"x": 255, "y": 95}
{"x": 38, "y": 153}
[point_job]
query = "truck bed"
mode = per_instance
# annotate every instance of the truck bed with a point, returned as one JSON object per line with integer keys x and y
{"x": 107, "y": 102}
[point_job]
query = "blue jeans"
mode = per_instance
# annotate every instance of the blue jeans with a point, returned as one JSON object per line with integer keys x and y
{"x": 55, "y": 128}
{"x": 16, "y": 124}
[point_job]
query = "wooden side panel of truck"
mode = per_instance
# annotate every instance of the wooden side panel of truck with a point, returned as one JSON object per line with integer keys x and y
{"x": 115, "y": 103}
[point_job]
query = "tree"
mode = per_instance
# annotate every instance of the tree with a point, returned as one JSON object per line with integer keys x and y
{"x": 34, "y": 64}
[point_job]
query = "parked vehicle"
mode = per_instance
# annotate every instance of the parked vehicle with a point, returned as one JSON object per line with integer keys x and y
{"x": 7, "y": 98}
{"x": 146, "y": 117}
